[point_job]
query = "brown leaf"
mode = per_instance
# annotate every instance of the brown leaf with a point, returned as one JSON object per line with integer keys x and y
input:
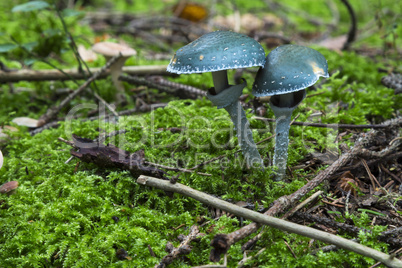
{"x": 112, "y": 156}
{"x": 346, "y": 182}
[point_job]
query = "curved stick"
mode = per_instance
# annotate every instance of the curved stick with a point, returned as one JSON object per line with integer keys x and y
{"x": 271, "y": 221}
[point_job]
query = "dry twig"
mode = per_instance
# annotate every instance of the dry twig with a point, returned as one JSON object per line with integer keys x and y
{"x": 68, "y": 74}
{"x": 285, "y": 202}
{"x": 161, "y": 84}
{"x": 183, "y": 249}
{"x": 384, "y": 236}
{"x": 52, "y": 112}
{"x": 393, "y": 80}
{"x": 335, "y": 126}
{"x": 270, "y": 221}
{"x": 353, "y": 25}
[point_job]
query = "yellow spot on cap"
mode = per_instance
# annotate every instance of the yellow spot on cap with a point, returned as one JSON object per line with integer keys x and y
{"x": 316, "y": 69}
{"x": 201, "y": 57}
{"x": 174, "y": 59}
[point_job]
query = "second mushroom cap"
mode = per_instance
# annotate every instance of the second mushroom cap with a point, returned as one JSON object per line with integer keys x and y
{"x": 289, "y": 68}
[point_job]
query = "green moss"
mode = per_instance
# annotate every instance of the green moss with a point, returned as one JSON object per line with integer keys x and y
{"x": 65, "y": 214}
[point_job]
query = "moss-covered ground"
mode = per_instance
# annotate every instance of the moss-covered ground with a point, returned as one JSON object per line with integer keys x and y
{"x": 78, "y": 214}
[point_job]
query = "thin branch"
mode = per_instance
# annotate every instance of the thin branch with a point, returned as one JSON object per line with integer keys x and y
{"x": 365, "y": 138}
{"x": 335, "y": 126}
{"x": 74, "y": 74}
{"x": 386, "y": 236}
{"x": 81, "y": 62}
{"x": 141, "y": 109}
{"x": 183, "y": 249}
{"x": 53, "y": 111}
{"x": 7, "y": 74}
{"x": 285, "y": 202}
{"x": 72, "y": 44}
{"x": 372, "y": 163}
{"x": 99, "y": 98}
{"x": 270, "y": 221}
{"x": 175, "y": 168}
{"x": 353, "y": 26}
{"x": 246, "y": 259}
{"x": 302, "y": 204}
{"x": 253, "y": 240}
{"x": 397, "y": 252}
{"x": 176, "y": 89}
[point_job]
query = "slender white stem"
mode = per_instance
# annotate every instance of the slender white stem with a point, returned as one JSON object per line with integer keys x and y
{"x": 115, "y": 72}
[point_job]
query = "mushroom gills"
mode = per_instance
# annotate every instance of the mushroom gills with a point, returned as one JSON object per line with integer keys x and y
{"x": 288, "y": 100}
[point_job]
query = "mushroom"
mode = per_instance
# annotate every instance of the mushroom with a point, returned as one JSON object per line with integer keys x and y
{"x": 216, "y": 52}
{"x": 288, "y": 70}
{"x": 109, "y": 50}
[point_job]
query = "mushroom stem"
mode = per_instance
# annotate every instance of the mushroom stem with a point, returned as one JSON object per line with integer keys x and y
{"x": 220, "y": 79}
{"x": 244, "y": 134}
{"x": 283, "y": 116}
{"x": 115, "y": 71}
{"x": 229, "y": 99}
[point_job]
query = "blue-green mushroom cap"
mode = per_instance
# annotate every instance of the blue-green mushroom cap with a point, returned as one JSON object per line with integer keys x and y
{"x": 217, "y": 51}
{"x": 289, "y": 68}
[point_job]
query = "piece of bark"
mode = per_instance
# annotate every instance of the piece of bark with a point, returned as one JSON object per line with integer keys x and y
{"x": 112, "y": 156}
{"x": 393, "y": 80}
{"x": 345, "y": 227}
{"x": 183, "y": 249}
{"x": 180, "y": 90}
